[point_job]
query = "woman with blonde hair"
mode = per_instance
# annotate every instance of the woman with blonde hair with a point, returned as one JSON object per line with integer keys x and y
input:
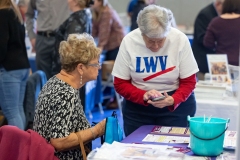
{"x": 107, "y": 28}
{"x": 14, "y": 64}
{"x": 59, "y": 115}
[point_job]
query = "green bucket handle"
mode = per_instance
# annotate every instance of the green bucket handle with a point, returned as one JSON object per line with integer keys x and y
{"x": 209, "y": 138}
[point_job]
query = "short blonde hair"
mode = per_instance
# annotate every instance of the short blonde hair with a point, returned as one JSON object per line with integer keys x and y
{"x": 79, "y": 48}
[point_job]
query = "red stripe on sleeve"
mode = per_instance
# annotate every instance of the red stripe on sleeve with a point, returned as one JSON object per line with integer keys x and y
{"x": 186, "y": 87}
{"x": 129, "y": 91}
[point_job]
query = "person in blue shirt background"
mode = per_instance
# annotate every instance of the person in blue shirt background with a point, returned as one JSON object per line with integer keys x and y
{"x": 130, "y": 7}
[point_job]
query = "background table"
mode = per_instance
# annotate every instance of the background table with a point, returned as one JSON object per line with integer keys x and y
{"x": 224, "y": 108}
{"x": 218, "y": 102}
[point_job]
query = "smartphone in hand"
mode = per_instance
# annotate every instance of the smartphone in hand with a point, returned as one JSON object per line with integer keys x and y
{"x": 158, "y": 98}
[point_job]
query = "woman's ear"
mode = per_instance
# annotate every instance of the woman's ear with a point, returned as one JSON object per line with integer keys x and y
{"x": 80, "y": 68}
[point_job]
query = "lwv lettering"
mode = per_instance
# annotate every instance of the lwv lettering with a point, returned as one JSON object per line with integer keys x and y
{"x": 150, "y": 63}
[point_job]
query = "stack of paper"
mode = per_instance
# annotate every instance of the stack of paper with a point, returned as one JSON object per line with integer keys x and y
{"x": 210, "y": 90}
{"x": 124, "y": 151}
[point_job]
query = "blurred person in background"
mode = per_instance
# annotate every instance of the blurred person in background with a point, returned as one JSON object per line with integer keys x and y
{"x": 200, "y": 26}
{"x": 223, "y": 32}
{"x": 154, "y": 60}
{"x": 132, "y": 3}
{"x": 130, "y": 7}
{"x": 14, "y": 64}
{"x": 49, "y": 14}
{"x": 107, "y": 28}
{"x": 23, "y": 5}
{"x": 59, "y": 115}
{"x": 80, "y": 21}
{"x": 138, "y": 7}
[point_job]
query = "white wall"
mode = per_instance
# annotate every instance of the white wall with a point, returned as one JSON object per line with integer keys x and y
{"x": 185, "y": 11}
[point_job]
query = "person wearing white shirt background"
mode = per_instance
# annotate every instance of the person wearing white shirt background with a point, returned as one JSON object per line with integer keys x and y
{"x": 155, "y": 60}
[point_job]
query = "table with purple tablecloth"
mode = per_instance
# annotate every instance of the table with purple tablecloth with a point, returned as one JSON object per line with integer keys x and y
{"x": 138, "y": 135}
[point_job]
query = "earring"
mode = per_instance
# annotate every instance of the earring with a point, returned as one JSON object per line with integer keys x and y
{"x": 81, "y": 79}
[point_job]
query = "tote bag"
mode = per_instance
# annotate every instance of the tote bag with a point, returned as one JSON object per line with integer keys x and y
{"x": 113, "y": 131}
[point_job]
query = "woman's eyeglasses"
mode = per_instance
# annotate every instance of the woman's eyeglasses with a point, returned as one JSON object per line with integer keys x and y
{"x": 154, "y": 41}
{"x": 97, "y": 65}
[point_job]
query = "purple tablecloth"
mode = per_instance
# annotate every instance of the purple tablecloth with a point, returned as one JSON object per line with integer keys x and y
{"x": 138, "y": 135}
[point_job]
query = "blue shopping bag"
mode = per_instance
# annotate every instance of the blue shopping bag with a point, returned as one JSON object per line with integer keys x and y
{"x": 113, "y": 131}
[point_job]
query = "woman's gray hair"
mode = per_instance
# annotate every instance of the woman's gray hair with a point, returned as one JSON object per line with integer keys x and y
{"x": 155, "y": 21}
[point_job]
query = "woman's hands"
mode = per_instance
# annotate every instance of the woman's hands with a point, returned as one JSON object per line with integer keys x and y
{"x": 151, "y": 94}
{"x": 168, "y": 101}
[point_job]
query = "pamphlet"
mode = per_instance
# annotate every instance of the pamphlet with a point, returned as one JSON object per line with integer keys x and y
{"x": 218, "y": 68}
{"x": 171, "y": 130}
{"x": 230, "y": 140}
{"x": 166, "y": 139}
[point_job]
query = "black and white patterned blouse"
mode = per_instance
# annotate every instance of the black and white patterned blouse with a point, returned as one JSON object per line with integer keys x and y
{"x": 59, "y": 113}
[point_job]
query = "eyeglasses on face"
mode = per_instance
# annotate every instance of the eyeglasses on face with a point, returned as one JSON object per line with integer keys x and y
{"x": 97, "y": 65}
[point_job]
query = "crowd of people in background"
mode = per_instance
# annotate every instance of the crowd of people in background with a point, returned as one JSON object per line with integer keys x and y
{"x": 216, "y": 31}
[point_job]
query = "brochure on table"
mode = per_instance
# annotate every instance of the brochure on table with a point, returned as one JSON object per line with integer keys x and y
{"x": 165, "y": 134}
{"x": 218, "y": 68}
{"x": 170, "y": 130}
{"x": 166, "y": 139}
{"x": 230, "y": 140}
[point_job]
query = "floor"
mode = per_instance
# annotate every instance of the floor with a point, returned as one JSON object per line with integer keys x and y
{"x": 97, "y": 117}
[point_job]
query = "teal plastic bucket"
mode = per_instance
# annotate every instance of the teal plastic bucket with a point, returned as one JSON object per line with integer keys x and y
{"x": 206, "y": 138}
